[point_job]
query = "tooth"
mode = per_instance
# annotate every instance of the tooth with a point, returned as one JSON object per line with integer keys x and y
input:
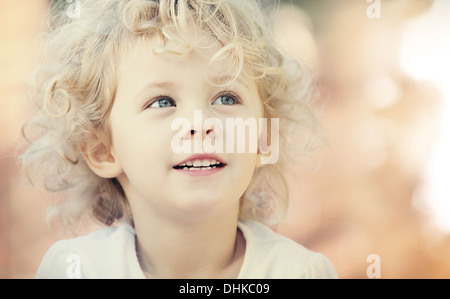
{"x": 212, "y": 162}
{"x": 207, "y": 167}
{"x": 185, "y": 168}
{"x": 195, "y": 168}
{"x": 206, "y": 163}
{"x": 189, "y": 163}
{"x": 182, "y": 165}
{"x": 197, "y": 163}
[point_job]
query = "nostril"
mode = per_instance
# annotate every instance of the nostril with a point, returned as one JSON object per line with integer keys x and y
{"x": 209, "y": 131}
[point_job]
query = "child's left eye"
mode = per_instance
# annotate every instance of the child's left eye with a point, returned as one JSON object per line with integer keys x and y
{"x": 226, "y": 99}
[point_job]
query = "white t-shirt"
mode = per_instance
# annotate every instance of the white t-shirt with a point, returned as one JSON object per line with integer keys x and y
{"x": 111, "y": 253}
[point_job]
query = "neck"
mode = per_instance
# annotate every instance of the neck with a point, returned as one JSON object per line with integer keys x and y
{"x": 202, "y": 248}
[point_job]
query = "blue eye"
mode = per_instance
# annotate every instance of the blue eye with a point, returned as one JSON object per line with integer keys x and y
{"x": 162, "y": 102}
{"x": 226, "y": 99}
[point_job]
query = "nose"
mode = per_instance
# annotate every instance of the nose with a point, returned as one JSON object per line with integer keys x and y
{"x": 205, "y": 132}
{"x": 201, "y": 126}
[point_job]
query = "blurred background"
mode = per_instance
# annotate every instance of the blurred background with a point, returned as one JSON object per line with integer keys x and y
{"x": 378, "y": 187}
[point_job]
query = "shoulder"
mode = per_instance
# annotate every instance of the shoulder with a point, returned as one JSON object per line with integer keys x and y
{"x": 271, "y": 255}
{"x": 97, "y": 255}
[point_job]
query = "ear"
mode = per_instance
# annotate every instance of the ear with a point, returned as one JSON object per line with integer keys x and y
{"x": 260, "y": 158}
{"x": 268, "y": 154}
{"x": 262, "y": 150}
{"x": 100, "y": 158}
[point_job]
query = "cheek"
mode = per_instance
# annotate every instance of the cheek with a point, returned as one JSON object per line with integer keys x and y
{"x": 141, "y": 146}
{"x": 243, "y": 176}
{"x": 245, "y": 165}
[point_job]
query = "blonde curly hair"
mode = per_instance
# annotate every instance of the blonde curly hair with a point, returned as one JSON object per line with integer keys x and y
{"x": 74, "y": 88}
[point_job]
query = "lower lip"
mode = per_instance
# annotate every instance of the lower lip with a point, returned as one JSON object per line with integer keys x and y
{"x": 202, "y": 172}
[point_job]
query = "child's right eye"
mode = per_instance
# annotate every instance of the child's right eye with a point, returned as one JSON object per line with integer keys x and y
{"x": 162, "y": 102}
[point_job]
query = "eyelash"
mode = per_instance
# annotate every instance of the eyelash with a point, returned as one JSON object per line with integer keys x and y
{"x": 158, "y": 98}
{"x": 230, "y": 94}
{"x": 221, "y": 94}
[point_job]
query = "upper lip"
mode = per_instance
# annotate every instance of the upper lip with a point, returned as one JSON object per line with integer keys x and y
{"x": 201, "y": 157}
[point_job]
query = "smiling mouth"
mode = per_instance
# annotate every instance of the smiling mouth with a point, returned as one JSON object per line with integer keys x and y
{"x": 200, "y": 164}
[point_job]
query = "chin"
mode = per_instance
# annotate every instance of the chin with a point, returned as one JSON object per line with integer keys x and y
{"x": 203, "y": 204}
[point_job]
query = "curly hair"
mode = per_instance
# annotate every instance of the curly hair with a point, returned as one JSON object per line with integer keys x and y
{"x": 74, "y": 88}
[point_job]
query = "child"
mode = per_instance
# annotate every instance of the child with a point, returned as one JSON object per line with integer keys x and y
{"x": 116, "y": 80}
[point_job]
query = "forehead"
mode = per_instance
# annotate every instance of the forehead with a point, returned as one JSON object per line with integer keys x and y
{"x": 193, "y": 57}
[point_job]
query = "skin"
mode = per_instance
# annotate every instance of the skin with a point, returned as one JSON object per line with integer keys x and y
{"x": 186, "y": 226}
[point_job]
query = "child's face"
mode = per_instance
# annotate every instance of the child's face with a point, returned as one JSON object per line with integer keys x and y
{"x": 153, "y": 91}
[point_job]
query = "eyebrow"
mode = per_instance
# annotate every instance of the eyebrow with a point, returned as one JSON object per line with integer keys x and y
{"x": 161, "y": 85}
{"x": 169, "y": 84}
{"x": 227, "y": 78}
{"x": 158, "y": 85}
